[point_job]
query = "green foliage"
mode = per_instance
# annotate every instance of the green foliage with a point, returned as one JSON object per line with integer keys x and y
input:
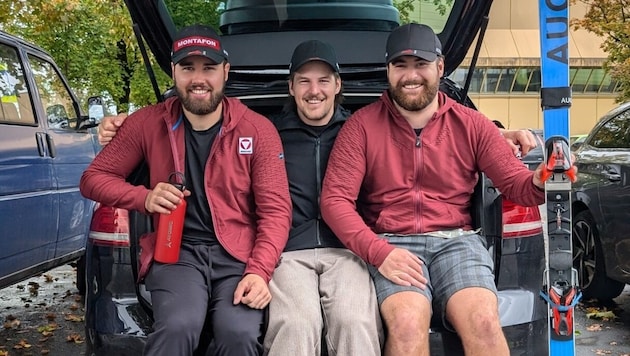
{"x": 191, "y": 12}
{"x": 405, "y": 8}
{"x": 610, "y": 19}
{"x": 91, "y": 41}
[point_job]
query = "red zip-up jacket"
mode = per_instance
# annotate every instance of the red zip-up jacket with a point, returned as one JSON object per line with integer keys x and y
{"x": 246, "y": 186}
{"x": 409, "y": 184}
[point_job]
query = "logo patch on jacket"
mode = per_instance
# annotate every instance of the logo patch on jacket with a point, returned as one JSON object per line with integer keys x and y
{"x": 245, "y": 145}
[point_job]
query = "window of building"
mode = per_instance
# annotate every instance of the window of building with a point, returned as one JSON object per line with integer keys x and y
{"x": 526, "y": 80}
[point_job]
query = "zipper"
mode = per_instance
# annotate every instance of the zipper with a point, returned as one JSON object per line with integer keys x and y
{"x": 417, "y": 197}
{"x": 318, "y": 172}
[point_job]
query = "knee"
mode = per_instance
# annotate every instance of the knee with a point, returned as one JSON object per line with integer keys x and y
{"x": 353, "y": 321}
{"x": 405, "y": 324}
{"x": 484, "y": 323}
{"x": 181, "y": 328}
{"x": 237, "y": 333}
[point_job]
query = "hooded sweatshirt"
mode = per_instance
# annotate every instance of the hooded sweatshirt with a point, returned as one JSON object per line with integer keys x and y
{"x": 404, "y": 183}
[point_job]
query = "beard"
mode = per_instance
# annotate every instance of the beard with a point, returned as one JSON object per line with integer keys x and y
{"x": 414, "y": 103}
{"x": 199, "y": 107}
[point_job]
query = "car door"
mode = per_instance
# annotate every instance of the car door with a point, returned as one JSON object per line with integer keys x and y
{"x": 609, "y": 150}
{"x": 71, "y": 149}
{"x": 27, "y": 199}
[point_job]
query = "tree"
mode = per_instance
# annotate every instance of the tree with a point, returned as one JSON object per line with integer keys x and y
{"x": 92, "y": 42}
{"x": 610, "y": 19}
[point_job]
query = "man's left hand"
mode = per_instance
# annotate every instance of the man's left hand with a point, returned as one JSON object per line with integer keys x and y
{"x": 252, "y": 291}
{"x": 521, "y": 141}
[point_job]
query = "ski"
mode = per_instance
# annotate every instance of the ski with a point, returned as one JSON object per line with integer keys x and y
{"x": 560, "y": 280}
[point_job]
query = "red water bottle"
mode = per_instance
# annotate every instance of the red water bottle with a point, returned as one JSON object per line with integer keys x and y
{"x": 170, "y": 228}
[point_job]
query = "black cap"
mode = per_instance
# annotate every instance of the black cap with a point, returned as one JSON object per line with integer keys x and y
{"x": 198, "y": 40}
{"x": 313, "y": 50}
{"x": 413, "y": 40}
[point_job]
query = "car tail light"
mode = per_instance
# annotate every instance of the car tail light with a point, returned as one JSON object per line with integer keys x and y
{"x": 110, "y": 226}
{"x": 520, "y": 221}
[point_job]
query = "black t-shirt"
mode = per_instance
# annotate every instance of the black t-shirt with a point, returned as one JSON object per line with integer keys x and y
{"x": 198, "y": 226}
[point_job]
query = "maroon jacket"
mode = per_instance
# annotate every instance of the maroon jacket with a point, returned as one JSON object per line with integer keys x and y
{"x": 247, "y": 189}
{"x": 408, "y": 184}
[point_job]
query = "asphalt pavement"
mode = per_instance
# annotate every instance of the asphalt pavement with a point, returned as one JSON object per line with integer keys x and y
{"x": 44, "y": 316}
{"x": 604, "y": 328}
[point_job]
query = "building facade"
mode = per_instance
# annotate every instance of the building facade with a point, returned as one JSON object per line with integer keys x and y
{"x": 506, "y": 78}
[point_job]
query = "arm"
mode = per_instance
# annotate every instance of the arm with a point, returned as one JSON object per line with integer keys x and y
{"x": 510, "y": 175}
{"x": 272, "y": 201}
{"x": 104, "y": 179}
{"x": 270, "y": 188}
{"x": 342, "y": 183}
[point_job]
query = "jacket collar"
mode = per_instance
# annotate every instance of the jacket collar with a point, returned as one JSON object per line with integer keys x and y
{"x": 289, "y": 119}
{"x": 445, "y": 104}
{"x": 233, "y": 111}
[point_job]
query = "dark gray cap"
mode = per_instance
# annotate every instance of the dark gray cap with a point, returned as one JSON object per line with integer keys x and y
{"x": 413, "y": 40}
{"x": 313, "y": 50}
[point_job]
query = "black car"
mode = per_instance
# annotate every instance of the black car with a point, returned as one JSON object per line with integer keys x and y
{"x": 601, "y": 207}
{"x": 260, "y": 37}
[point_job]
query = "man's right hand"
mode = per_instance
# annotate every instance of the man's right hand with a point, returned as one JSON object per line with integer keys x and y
{"x": 164, "y": 198}
{"x": 108, "y": 127}
{"x": 403, "y": 268}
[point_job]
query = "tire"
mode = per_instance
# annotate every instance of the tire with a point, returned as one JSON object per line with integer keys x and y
{"x": 588, "y": 260}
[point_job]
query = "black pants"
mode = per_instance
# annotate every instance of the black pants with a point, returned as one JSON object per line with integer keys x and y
{"x": 203, "y": 280}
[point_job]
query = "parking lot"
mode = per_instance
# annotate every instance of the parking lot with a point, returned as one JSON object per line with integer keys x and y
{"x": 44, "y": 316}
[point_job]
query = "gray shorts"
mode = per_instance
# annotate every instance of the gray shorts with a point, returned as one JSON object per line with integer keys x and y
{"x": 450, "y": 265}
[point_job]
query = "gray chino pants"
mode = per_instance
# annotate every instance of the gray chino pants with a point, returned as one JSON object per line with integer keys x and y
{"x": 324, "y": 290}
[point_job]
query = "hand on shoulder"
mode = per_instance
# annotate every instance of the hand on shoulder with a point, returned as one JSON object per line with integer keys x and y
{"x": 108, "y": 127}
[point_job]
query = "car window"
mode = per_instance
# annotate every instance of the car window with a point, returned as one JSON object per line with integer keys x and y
{"x": 15, "y": 100}
{"x": 56, "y": 101}
{"x": 615, "y": 133}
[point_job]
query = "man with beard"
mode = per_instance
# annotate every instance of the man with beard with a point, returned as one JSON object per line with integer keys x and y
{"x": 238, "y": 205}
{"x": 397, "y": 192}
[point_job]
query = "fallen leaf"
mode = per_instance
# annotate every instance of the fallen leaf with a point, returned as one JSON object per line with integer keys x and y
{"x": 594, "y": 327}
{"x": 74, "y": 307}
{"x": 12, "y": 324}
{"x": 4, "y": 353}
{"x": 51, "y": 316}
{"x": 603, "y": 352}
{"x": 47, "y": 329}
{"x": 45, "y": 352}
{"x": 74, "y": 318}
{"x": 22, "y": 344}
{"x": 49, "y": 278}
{"x": 75, "y": 338}
{"x": 605, "y": 315}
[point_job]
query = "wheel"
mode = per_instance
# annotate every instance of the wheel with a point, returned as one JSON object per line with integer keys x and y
{"x": 588, "y": 260}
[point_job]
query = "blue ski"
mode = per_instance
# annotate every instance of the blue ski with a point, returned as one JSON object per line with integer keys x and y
{"x": 560, "y": 280}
